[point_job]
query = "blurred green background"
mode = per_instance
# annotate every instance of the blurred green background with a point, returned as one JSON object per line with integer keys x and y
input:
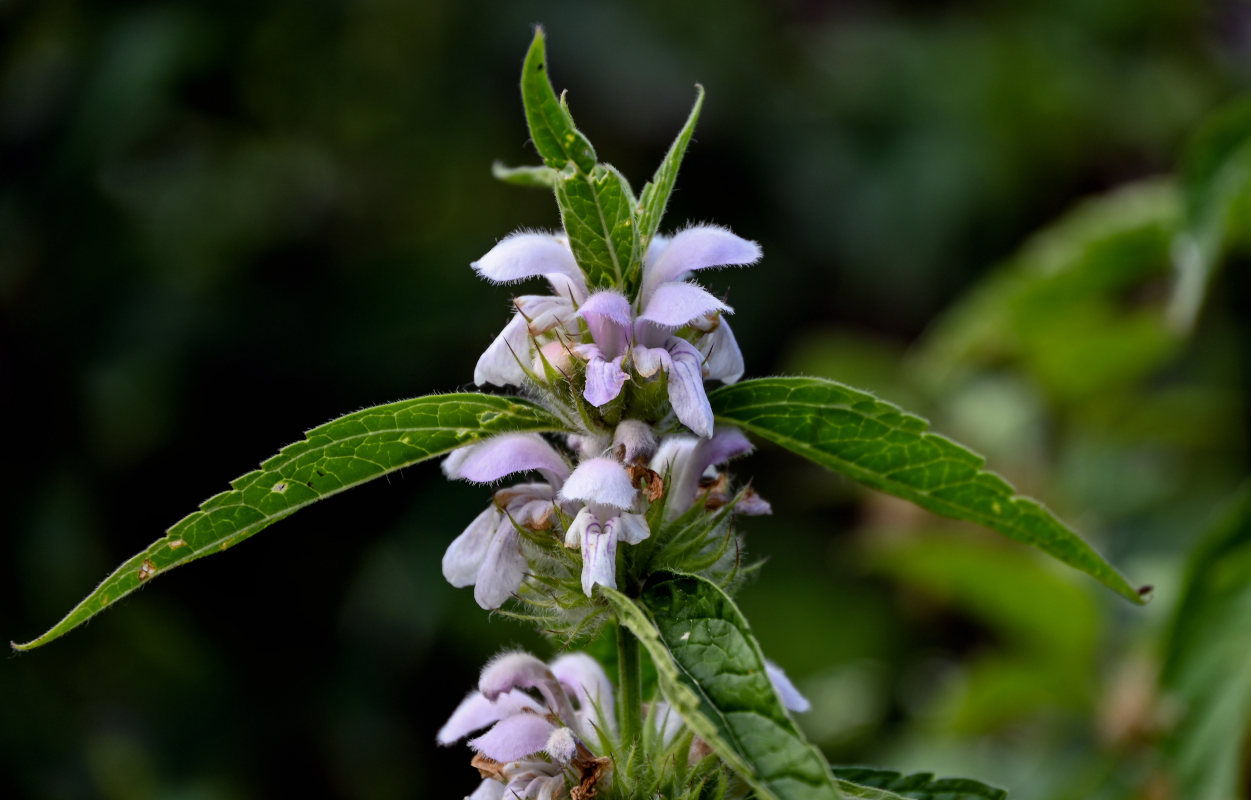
{"x": 224, "y": 223}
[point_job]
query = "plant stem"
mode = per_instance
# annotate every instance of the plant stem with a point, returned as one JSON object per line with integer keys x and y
{"x": 630, "y": 684}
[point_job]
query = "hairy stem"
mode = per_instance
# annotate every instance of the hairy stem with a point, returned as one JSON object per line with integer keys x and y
{"x": 629, "y": 697}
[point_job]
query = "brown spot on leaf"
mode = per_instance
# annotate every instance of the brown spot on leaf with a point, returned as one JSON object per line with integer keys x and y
{"x": 147, "y": 569}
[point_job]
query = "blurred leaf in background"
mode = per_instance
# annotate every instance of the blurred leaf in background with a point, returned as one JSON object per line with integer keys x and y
{"x": 1205, "y": 678}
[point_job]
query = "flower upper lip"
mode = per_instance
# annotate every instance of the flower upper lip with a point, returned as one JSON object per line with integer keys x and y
{"x": 616, "y": 325}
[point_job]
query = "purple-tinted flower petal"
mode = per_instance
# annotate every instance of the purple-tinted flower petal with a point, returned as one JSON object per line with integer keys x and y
{"x": 584, "y": 519}
{"x": 503, "y": 570}
{"x": 599, "y": 560}
{"x": 658, "y": 245}
{"x": 476, "y": 712}
{"x": 572, "y": 289}
{"x": 676, "y": 460}
{"x": 464, "y": 555}
{"x": 504, "y": 455}
{"x": 489, "y": 789}
{"x": 600, "y": 480}
{"x": 629, "y": 528}
{"x": 635, "y": 440}
{"x": 519, "y": 494}
{"x": 501, "y": 363}
{"x": 686, "y": 387}
{"x": 650, "y": 360}
{"x": 685, "y": 460}
{"x": 512, "y": 670}
{"x": 583, "y": 678}
{"x": 675, "y": 304}
{"x": 544, "y": 312}
{"x": 608, "y": 318}
{"x": 604, "y": 380}
{"x": 527, "y": 255}
{"x": 697, "y": 248}
{"x": 791, "y": 698}
{"x": 535, "y": 515}
{"x": 514, "y": 737}
{"x": 521, "y": 670}
{"x": 587, "y": 446}
{"x": 673, "y": 454}
{"x": 752, "y": 505}
{"x": 723, "y": 359}
{"x": 726, "y": 443}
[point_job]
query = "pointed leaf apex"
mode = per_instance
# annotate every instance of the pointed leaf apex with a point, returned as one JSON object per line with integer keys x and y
{"x": 551, "y": 127}
{"x": 655, "y": 195}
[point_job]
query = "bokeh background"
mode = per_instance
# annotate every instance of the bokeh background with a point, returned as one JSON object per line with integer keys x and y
{"x": 222, "y": 223}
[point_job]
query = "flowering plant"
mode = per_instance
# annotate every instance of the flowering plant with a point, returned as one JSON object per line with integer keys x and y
{"x": 632, "y": 525}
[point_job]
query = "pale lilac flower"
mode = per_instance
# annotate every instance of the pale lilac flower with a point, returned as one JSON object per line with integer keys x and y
{"x": 665, "y": 304}
{"x": 487, "y": 555}
{"x": 672, "y": 260}
{"x": 576, "y": 708}
{"x": 688, "y": 461}
{"x": 622, "y": 330}
{"x": 518, "y": 257}
{"x": 607, "y": 517}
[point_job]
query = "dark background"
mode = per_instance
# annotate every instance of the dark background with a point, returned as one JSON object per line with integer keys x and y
{"x": 224, "y": 223}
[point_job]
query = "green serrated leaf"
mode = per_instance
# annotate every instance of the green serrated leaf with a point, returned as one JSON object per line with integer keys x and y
{"x": 598, "y": 215}
{"x": 880, "y": 784}
{"x": 557, "y": 139}
{"x": 538, "y": 177}
{"x": 1205, "y": 672}
{"x": 710, "y": 668}
{"x": 880, "y": 445}
{"x": 655, "y": 195}
{"x": 339, "y": 455}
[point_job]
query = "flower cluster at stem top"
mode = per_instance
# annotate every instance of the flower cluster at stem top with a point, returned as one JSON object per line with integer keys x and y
{"x": 627, "y": 374}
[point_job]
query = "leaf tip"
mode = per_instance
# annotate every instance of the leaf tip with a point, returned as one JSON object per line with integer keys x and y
{"x": 539, "y": 40}
{"x": 1145, "y": 593}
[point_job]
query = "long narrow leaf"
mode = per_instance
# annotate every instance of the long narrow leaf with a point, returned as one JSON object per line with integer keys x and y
{"x": 334, "y": 457}
{"x": 655, "y": 195}
{"x": 551, "y": 128}
{"x": 881, "y": 446}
